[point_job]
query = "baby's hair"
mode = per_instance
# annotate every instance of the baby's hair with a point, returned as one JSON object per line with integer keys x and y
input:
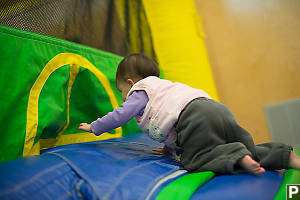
{"x": 136, "y": 66}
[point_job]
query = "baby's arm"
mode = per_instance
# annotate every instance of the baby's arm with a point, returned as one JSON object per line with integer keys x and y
{"x": 132, "y": 107}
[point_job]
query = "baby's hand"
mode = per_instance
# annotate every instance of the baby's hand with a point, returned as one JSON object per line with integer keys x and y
{"x": 85, "y": 127}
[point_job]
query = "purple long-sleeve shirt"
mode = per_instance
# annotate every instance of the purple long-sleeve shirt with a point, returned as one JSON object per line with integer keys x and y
{"x": 133, "y": 106}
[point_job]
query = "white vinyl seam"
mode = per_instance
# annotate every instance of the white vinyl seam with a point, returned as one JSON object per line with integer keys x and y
{"x": 170, "y": 176}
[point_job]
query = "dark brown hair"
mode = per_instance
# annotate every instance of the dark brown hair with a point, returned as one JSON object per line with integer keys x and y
{"x": 136, "y": 66}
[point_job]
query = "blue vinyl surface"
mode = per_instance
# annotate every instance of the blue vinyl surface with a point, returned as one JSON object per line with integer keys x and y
{"x": 240, "y": 187}
{"x": 122, "y": 168}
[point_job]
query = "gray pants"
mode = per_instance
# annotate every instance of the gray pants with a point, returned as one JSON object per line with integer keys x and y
{"x": 210, "y": 139}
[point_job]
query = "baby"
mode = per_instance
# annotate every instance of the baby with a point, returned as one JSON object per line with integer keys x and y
{"x": 201, "y": 131}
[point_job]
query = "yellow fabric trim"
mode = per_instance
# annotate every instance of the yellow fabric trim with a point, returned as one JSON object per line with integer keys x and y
{"x": 74, "y": 69}
{"x": 75, "y": 138}
{"x": 178, "y": 42}
{"x": 58, "y": 61}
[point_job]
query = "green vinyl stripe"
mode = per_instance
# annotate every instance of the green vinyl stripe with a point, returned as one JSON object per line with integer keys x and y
{"x": 184, "y": 187}
{"x": 292, "y": 176}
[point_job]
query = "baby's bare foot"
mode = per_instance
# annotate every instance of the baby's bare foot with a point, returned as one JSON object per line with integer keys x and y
{"x": 294, "y": 161}
{"x": 251, "y": 165}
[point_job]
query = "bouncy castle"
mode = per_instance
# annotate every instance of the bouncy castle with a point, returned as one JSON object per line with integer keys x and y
{"x": 58, "y": 66}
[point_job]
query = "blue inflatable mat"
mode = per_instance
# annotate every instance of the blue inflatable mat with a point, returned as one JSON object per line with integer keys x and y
{"x": 122, "y": 168}
{"x": 240, "y": 187}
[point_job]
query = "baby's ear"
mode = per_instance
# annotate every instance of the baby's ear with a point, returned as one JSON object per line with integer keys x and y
{"x": 130, "y": 81}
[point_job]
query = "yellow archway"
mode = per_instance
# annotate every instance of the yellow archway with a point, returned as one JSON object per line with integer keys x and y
{"x": 75, "y": 61}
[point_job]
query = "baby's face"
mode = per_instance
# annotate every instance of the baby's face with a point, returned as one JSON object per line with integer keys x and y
{"x": 124, "y": 88}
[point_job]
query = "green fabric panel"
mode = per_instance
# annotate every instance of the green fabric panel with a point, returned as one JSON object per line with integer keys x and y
{"x": 23, "y": 56}
{"x": 292, "y": 176}
{"x": 183, "y": 188}
{"x": 87, "y": 87}
{"x": 53, "y": 104}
